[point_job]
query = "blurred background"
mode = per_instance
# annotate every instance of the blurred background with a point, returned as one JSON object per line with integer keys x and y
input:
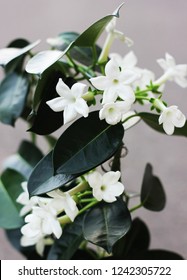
{"x": 156, "y": 27}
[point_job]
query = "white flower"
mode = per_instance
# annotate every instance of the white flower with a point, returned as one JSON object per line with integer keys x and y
{"x": 70, "y": 101}
{"x": 116, "y": 83}
{"x": 129, "y": 61}
{"x": 112, "y": 34}
{"x": 38, "y": 241}
{"x": 63, "y": 201}
{"x": 172, "y": 72}
{"x": 106, "y": 187}
{"x": 113, "y": 112}
{"x": 131, "y": 121}
{"x": 41, "y": 222}
{"x": 171, "y": 117}
{"x": 28, "y": 202}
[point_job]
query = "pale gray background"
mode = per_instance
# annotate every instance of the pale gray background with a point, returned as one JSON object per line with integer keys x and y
{"x": 156, "y": 26}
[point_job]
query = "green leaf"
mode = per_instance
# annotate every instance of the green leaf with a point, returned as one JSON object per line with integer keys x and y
{"x": 13, "y": 93}
{"x": 106, "y": 223}
{"x": 83, "y": 55}
{"x": 46, "y": 90}
{"x": 87, "y": 143}
{"x": 43, "y": 60}
{"x": 65, "y": 247}
{"x": 9, "y": 54}
{"x": 91, "y": 35}
{"x": 25, "y": 159}
{"x": 157, "y": 254}
{"x": 43, "y": 180}
{"x": 152, "y": 193}
{"x": 152, "y": 121}
{"x": 10, "y": 188}
{"x": 136, "y": 240}
{"x": 17, "y": 63}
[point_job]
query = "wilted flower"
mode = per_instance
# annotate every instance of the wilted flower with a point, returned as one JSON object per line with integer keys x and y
{"x": 106, "y": 187}
{"x": 70, "y": 101}
{"x": 116, "y": 83}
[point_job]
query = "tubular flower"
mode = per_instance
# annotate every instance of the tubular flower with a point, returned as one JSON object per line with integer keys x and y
{"x": 116, "y": 83}
{"x": 172, "y": 72}
{"x": 106, "y": 187}
{"x": 171, "y": 117}
{"x": 63, "y": 201}
{"x": 70, "y": 101}
{"x": 113, "y": 112}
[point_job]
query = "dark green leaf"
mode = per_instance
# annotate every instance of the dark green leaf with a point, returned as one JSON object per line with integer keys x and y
{"x": 87, "y": 143}
{"x": 44, "y": 120}
{"x": 43, "y": 60}
{"x": 106, "y": 223}
{"x": 65, "y": 247}
{"x": 136, "y": 240}
{"x": 157, "y": 255}
{"x": 17, "y": 63}
{"x": 10, "y": 188}
{"x": 24, "y": 161}
{"x": 43, "y": 180}
{"x": 152, "y": 121}
{"x": 13, "y": 93}
{"x": 152, "y": 192}
{"x": 83, "y": 55}
{"x": 90, "y": 35}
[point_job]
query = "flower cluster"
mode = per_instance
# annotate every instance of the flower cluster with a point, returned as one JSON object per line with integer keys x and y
{"x": 44, "y": 215}
{"x": 121, "y": 86}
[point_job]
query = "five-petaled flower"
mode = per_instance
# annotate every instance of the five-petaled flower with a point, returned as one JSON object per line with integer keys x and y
{"x": 70, "y": 101}
{"x": 116, "y": 83}
{"x": 40, "y": 223}
{"x": 63, "y": 201}
{"x": 106, "y": 187}
{"x": 113, "y": 112}
{"x": 171, "y": 117}
{"x": 172, "y": 72}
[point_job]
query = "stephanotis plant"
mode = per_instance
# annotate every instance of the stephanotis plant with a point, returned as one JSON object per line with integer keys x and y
{"x": 68, "y": 204}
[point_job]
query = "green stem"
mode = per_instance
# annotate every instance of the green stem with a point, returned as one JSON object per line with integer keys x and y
{"x": 136, "y": 207}
{"x": 80, "y": 187}
{"x": 88, "y": 206}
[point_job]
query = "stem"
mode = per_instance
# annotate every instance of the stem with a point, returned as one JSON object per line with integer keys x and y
{"x": 88, "y": 206}
{"x": 80, "y": 187}
{"x": 136, "y": 207}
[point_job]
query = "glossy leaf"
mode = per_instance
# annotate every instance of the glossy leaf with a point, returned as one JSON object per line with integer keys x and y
{"x": 152, "y": 121}
{"x": 83, "y": 55}
{"x": 65, "y": 247}
{"x": 25, "y": 159}
{"x": 90, "y": 35}
{"x": 43, "y": 180}
{"x": 152, "y": 193}
{"x": 17, "y": 63}
{"x": 87, "y": 143}
{"x": 13, "y": 93}
{"x": 10, "y": 188}
{"x": 43, "y": 60}
{"x": 157, "y": 254}
{"x": 135, "y": 241}
{"x": 8, "y": 54}
{"x": 106, "y": 223}
{"x": 44, "y": 120}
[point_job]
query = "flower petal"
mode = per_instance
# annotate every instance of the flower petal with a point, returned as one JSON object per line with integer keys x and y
{"x": 77, "y": 89}
{"x": 100, "y": 82}
{"x": 62, "y": 89}
{"x": 81, "y": 107}
{"x": 112, "y": 69}
{"x": 69, "y": 113}
{"x": 57, "y": 104}
{"x": 111, "y": 177}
